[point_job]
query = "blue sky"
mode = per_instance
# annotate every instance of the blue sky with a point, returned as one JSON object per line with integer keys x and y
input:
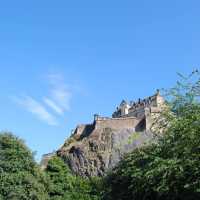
{"x": 62, "y": 61}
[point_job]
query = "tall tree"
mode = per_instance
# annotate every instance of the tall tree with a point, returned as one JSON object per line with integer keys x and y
{"x": 20, "y": 177}
{"x": 63, "y": 185}
{"x": 170, "y": 168}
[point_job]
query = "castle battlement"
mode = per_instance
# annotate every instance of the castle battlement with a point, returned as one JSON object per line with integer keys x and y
{"x": 134, "y": 115}
{"x": 97, "y": 147}
{"x": 137, "y": 109}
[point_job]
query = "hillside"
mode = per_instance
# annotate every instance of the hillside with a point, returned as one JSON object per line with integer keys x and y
{"x": 93, "y": 149}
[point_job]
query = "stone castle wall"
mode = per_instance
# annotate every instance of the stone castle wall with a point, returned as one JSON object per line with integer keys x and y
{"x": 83, "y": 130}
{"x": 136, "y": 109}
{"x": 130, "y": 121}
{"x": 140, "y": 116}
{"x": 117, "y": 123}
{"x": 79, "y": 129}
{"x": 136, "y": 113}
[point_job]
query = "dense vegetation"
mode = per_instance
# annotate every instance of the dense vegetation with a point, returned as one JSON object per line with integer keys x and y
{"x": 65, "y": 186}
{"x": 166, "y": 169}
{"x": 169, "y": 168}
{"x": 20, "y": 177}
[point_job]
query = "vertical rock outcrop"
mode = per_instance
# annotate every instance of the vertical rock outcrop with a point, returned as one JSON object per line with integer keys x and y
{"x": 94, "y": 149}
{"x": 101, "y": 148}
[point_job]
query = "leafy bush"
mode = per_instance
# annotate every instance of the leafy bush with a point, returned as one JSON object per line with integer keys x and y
{"x": 20, "y": 177}
{"x": 170, "y": 168}
{"x": 167, "y": 170}
{"x": 64, "y": 185}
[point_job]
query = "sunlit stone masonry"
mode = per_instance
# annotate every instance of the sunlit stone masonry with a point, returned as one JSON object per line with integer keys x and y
{"x": 94, "y": 149}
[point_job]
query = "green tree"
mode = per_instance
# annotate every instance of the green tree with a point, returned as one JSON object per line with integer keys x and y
{"x": 63, "y": 185}
{"x": 20, "y": 177}
{"x": 60, "y": 178}
{"x": 185, "y": 92}
{"x": 170, "y": 168}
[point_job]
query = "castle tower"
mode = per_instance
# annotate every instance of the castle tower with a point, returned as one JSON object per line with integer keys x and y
{"x": 137, "y": 109}
{"x": 159, "y": 99}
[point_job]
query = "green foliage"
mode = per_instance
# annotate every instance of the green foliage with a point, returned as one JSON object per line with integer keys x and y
{"x": 63, "y": 185}
{"x": 83, "y": 189}
{"x": 185, "y": 92}
{"x": 59, "y": 178}
{"x": 20, "y": 177}
{"x": 170, "y": 168}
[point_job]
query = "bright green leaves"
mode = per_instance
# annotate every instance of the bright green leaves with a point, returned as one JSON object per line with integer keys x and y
{"x": 170, "y": 168}
{"x": 63, "y": 185}
{"x": 20, "y": 177}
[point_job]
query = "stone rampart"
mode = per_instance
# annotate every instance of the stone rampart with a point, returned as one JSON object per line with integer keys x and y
{"x": 79, "y": 129}
{"x": 117, "y": 123}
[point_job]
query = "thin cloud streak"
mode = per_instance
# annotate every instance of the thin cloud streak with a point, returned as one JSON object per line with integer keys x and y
{"x": 37, "y": 109}
{"x": 57, "y": 100}
{"x": 53, "y": 105}
{"x": 59, "y": 93}
{"x": 62, "y": 96}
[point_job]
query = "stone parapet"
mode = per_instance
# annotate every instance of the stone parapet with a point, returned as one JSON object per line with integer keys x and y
{"x": 116, "y": 123}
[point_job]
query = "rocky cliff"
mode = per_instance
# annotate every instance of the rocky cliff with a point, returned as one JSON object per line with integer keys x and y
{"x": 99, "y": 148}
{"x": 94, "y": 149}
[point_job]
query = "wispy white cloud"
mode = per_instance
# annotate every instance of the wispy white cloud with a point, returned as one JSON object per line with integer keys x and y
{"x": 36, "y": 108}
{"x": 59, "y": 95}
{"x": 53, "y": 105}
{"x": 56, "y": 101}
{"x": 62, "y": 97}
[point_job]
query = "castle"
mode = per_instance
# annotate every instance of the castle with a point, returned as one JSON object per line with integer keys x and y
{"x": 97, "y": 147}
{"x": 137, "y": 109}
{"x": 134, "y": 115}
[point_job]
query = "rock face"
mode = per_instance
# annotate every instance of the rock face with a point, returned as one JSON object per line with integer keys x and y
{"x": 94, "y": 149}
{"x": 45, "y": 159}
{"x": 100, "y": 151}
